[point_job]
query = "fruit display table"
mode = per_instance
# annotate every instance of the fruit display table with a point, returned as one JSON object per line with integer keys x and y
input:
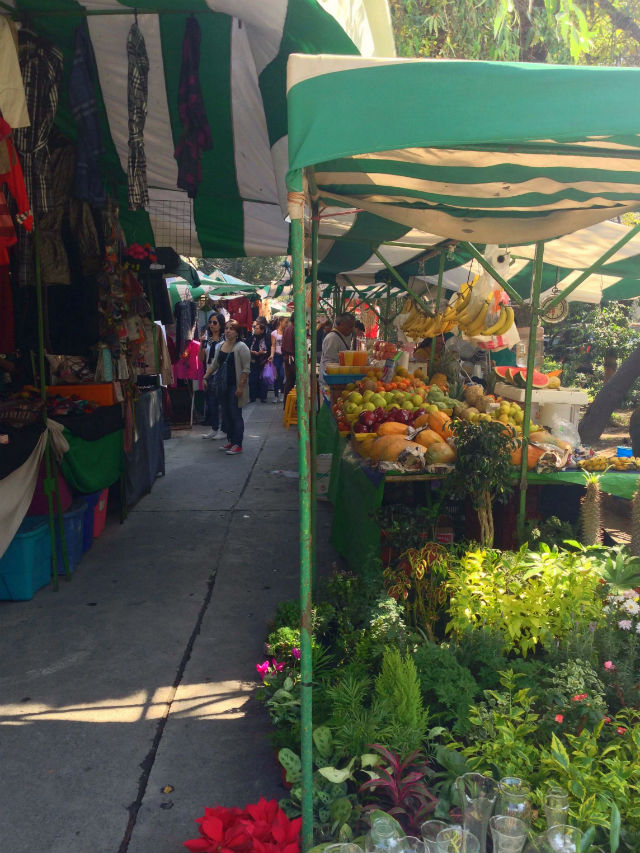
{"x": 546, "y": 404}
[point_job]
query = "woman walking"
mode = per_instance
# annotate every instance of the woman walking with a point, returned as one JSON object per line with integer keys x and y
{"x": 277, "y": 358}
{"x": 210, "y": 340}
{"x": 260, "y": 348}
{"x": 229, "y": 372}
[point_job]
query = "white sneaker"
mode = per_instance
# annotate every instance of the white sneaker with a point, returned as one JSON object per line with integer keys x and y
{"x": 211, "y": 434}
{"x": 219, "y": 434}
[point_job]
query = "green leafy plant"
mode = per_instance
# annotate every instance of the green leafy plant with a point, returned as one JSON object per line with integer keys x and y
{"x": 385, "y": 626}
{"x": 417, "y": 581}
{"x": 531, "y": 598}
{"x": 287, "y": 615}
{"x": 448, "y": 689}
{"x": 483, "y": 469}
{"x": 551, "y": 532}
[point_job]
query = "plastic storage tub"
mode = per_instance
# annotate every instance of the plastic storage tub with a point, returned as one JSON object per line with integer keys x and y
{"x": 73, "y": 535}
{"x": 95, "y": 517}
{"x": 25, "y": 566}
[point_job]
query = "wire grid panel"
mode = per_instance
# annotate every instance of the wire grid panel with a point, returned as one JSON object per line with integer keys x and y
{"x": 173, "y": 224}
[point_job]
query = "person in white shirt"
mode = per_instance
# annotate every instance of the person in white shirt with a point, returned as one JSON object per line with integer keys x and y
{"x": 337, "y": 340}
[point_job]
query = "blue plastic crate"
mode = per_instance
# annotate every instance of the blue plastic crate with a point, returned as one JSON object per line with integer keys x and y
{"x": 72, "y": 533}
{"x": 25, "y": 566}
{"x": 87, "y": 521}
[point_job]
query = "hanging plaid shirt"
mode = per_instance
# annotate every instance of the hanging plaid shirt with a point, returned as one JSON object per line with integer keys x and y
{"x": 196, "y": 133}
{"x": 88, "y": 183}
{"x": 138, "y": 88}
{"x": 41, "y": 67}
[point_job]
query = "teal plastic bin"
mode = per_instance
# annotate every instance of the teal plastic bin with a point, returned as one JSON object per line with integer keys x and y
{"x": 73, "y": 525}
{"x": 25, "y": 567}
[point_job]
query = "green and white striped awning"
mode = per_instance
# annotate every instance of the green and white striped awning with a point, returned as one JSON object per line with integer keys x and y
{"x": 475, "y": 151}
{"x": 240, "y": 208}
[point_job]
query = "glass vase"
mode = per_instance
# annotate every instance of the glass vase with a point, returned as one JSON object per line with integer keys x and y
{"x": 477, "y": 798}
{"x": 508, "y": 834}
{"x": 564, "y": 839}
{"x": 556, "y": 807}
{"x": 454, "y": 839}
{"x": 429, "y": 831}
{"x": 383, "y": 836}
{"x": 514, "y": 799}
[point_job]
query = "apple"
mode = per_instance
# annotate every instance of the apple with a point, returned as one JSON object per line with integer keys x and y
{"x": 404, "y": 416}
{"x": 368, "y": 407}
{"x": 380, "y": 413}
{"x": 367, "y": 419}
{"x": 418, "y": 412}
{"x": 392, "y": 406}
{"x": 352, "y": 409}
{"x": 358, "y": 427}
{"x": 355, "y": 397}
{"x": 367, "y": 396}
{"x": 378, "y": 400}
{"x": 417, "y": 400}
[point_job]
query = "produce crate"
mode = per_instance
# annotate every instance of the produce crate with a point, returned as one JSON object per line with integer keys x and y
{"x": 25, "y": 567}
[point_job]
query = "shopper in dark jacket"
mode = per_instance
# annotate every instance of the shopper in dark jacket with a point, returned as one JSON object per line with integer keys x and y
{"x": 260, "y": 349}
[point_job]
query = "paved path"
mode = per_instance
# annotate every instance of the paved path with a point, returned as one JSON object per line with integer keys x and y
{"x": 139, "y": 673}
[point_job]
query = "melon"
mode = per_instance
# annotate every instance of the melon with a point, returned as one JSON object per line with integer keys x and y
{"x": 540, "y": 380}
{"x": 512, "y": 372}
{"x": 501, "y": 373}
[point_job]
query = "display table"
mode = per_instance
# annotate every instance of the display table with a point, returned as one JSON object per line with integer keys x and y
{"x": 564, "y": 403}
{"x": 145, "y": 462}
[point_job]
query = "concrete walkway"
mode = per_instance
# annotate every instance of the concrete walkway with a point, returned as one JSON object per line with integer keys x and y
{"x": 139, "y": 673}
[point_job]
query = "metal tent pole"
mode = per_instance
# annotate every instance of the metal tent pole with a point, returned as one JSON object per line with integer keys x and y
{"x": 313, "y": 382}
{"x": 432, "y": 355}
{"x": 535, "y": 305}
{"x": 306, "y": 543}
{"x": 50, "y": 484}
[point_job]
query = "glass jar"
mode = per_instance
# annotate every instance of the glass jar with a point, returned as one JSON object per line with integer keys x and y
{"x": 383, "y": 836}
{"x": 556, "y": 807}
{"x": 514, "y": 799}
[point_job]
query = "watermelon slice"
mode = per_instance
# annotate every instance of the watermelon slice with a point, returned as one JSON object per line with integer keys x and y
{"x": 512, "y": 372}
{"x": 501, "y": 373}
{"x": 540, "y": 380}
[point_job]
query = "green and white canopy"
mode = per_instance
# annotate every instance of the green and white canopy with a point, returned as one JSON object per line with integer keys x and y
{"x": 473, "y": 151}
{"x": 240, "y": 208}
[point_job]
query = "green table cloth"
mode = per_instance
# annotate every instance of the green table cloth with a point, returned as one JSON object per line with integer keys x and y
{"x": 622, "y": 484}
{"x": 90, "y": 466}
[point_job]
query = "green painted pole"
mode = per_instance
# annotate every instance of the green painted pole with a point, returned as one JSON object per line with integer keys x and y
{"x": 594, "y": 267}
{"x": 432, "y": 355}
{"x": 306, "y": 543}
{"x": 514, "y": 295}
{"x": 403, "y": 284}
{"x": 535, "y": 307}
{"x": 313, "y": 381}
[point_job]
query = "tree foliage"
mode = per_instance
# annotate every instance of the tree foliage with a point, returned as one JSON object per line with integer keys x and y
{"x": 259, "y": 271}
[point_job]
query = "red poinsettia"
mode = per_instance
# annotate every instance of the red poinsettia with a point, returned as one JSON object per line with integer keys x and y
{"x": 260, "y": 827}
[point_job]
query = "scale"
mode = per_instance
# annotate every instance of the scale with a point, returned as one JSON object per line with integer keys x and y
{"x": 556, "y": 314}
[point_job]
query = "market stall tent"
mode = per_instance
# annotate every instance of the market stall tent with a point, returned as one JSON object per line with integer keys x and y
{"x": 240, "y": 207}
{"x": 468, "y": 151}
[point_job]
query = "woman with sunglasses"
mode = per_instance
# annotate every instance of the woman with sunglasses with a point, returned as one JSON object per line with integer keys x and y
{"x": 210, "y": 340}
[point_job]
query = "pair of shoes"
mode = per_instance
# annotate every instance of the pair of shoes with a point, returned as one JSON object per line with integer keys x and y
{"x": 276, "y": 400}
{"x": 215, "y": 434}
{"x": 211, "y": 434}
{"x": 232, "y": 451}
{"x": 226, "y": 446}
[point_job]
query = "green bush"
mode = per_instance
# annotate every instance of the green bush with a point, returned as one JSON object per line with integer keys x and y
{"x": 532, "y": 599}
{"x": 448, "y": 689}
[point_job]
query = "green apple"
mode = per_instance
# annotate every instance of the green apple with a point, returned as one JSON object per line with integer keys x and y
{"x": 368, "y": 407}
{"x": 388, "y": 396}
{"x": 355, "y": 397}
{"x": 379, "y": 400}
{"x": 417, "y": 400}
{"x": 392, "y": 406}
{"x": 352, "y": 409}
{"x": 367, "y": 396}
{"x": 408, "y": 405}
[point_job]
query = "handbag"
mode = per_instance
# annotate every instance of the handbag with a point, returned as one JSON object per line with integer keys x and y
{"x": 269, "y": 374}
{"x": 219, "y": 381}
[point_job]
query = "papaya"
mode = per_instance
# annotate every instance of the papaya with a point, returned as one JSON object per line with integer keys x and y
{"x": 421, "y": 421}
{"x": 363, "y": 447}
{"x": 393, "y": 450}
{"x": 441, "y": 423}
{"x": 428, "y": 437}
{"x": 440, "y": 453}
{"x": 392, "y": 428}
{"x": 380, "y": 444}
{"x": 533, "y": 454}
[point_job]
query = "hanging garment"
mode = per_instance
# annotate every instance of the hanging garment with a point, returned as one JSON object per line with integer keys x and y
{"x": 240, "y": 310}
{"x": 137, "y": 94}
{"x": 41, "y": 67}
{"x": 7, "y": 332}
{"x": 144, "y": 358}
{"x": 196, "y": 133}
{"x": 7, "y": 231}
{"x": 189, "y": 366}
{"x": 11, "y": 174}
{"x": 185, "y": 314}
{"x": 13, "y": 105}
{"x": 88, "y": 183}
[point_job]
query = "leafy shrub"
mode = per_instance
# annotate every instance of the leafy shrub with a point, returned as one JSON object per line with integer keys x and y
{"x": 552, "y": 531}
{"x": 448, "y": 689}
{"x": 287, "y": 615}
{"x": 529, "y": 598}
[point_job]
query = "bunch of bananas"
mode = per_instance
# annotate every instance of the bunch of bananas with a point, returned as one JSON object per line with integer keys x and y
{"x": 614, "y": 463}
{"x": 469, "y": 317}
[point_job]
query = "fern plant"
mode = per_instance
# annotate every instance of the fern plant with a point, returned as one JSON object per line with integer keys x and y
{"x": 399, "y": 697}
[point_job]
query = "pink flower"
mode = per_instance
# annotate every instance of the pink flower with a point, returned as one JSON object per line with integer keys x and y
{"x": 607, "y": 719}
{"x": 578, "y": 697}
{"x": 295, "y": 652}
{"x": 621, "y": 730}
{"x": 559, "y": 718}
{"x": 277, "y": 666}
{"x": 625, "y": 624}
{"x": 263, "y": 669}
{"x": 608, "y": 664}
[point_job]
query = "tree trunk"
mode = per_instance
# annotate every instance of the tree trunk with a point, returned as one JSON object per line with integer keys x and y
{"x": 609, "y": 398}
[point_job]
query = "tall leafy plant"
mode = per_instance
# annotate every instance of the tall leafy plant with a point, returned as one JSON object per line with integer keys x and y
{"x": 483, "y": 469}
